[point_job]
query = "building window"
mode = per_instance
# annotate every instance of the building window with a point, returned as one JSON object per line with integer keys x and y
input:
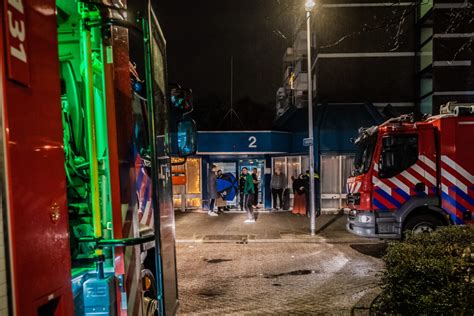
{"x": 335, "y": 170}
{"x": 193, "y": 173}
{"x": 187, "y": 184}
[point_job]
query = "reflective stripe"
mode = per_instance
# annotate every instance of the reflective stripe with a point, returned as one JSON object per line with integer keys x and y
{"x": 409, "y": 177}
{"x": 459, "y": 195}
{"x": 444, "y": 188}
{"x": 357, "y": 187}
{"x": 400, "y": 184}
{"x": 389, "y": 198}
{"x": 382, "y": 185}
{"x": 430, "y": 163}
{"x": 445, "y": 174}
{"x": 424, "y": 174}
{"x": 402, "y": 194}
{"x": 379, "y": 204}
{"x": 376, "y": 167}
{"x": 468, "y": 176}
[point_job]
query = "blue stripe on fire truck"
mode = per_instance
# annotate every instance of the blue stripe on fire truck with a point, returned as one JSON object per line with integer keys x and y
{"x": 388, "y": 197}
{"x": 458, "y": 207}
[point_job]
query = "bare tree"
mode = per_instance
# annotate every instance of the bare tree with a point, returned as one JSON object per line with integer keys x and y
{"x": 290, "y": 14}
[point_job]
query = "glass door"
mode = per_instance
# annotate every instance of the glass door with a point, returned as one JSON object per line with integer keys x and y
{"x": 291, "y": 167}
{"x": 259, "y": 164}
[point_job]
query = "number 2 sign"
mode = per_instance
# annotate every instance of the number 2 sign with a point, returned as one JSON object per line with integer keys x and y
{"x": 252, "y": 142}
{"x": 15, "y": 29}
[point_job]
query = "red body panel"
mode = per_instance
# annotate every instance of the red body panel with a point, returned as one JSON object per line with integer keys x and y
{"x": 361, "y": 184}
{"x": 456, "y": 166}
{"x": 36, "y": 186}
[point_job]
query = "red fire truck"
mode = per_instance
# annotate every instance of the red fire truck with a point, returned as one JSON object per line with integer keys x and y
{"x": 413, "y": 176}
{"x": 86, "y": 218}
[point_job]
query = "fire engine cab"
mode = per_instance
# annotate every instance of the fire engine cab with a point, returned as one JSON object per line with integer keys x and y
{"x": 413, "y": 176}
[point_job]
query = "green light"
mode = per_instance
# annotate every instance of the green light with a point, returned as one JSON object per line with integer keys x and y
{"x": 85, "y": 126}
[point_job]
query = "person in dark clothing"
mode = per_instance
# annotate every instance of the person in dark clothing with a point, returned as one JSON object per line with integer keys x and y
{"x": 278, "y": 184}
{"x": 241, "y": 191}
{"x": 300, "y": 193}
{"x": 212, "y": 190}
{"x": 249, "y": 192}
{"x": 316, "y": 190}
{"x": 255, "y": 185}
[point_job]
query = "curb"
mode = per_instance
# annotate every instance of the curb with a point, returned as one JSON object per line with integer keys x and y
{"x": 267, "y": 241}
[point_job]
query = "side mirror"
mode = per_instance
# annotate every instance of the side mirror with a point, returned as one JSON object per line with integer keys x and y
{"x": 181, "y": 99}
{"x": 187, "y": 138}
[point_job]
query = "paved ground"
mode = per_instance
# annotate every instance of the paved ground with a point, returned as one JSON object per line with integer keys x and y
{"x": 277, "y": 270}
{"x": 280, "y": 226}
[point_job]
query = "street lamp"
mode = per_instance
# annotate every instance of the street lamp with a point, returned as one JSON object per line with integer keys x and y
{"x": 310, "y": 4}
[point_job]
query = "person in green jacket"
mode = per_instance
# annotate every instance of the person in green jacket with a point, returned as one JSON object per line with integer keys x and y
{"x": 249, "y": 191}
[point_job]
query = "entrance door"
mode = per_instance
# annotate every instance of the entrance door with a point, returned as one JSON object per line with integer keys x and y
{"x": 250, "y": 164}
{"x": 291, "y": 167}
{"x": 335, "y": 169}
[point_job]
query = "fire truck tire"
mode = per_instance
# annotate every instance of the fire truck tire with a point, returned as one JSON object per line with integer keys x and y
{"x": 424, "y": 223}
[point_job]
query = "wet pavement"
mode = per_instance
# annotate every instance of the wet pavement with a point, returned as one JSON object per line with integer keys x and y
{"x": 273, "y": 227}
{"x": 276, "y": 270}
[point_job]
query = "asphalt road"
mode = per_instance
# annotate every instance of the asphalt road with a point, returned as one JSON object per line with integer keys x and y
{"x": 263, "y": 278}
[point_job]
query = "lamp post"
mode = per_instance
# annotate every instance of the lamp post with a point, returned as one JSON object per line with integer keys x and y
{"x": 309, "y": 6}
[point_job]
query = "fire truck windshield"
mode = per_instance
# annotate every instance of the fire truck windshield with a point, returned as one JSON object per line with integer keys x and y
{"x": 365, "y": 151}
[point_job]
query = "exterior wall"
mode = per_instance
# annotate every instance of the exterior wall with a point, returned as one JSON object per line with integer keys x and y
{"x": 382, "y": 52}
{"x": 364, "y": 52}
{"x": 445, "y": 37}
{"x": 365, "y": 49}
{"x": 453, "y": 44}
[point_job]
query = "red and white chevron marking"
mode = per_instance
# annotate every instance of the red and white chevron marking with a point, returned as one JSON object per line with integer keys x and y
{"x": 423, "y": 171}
{"x": 457, "y": 188}
{"x": 145, "y": 208}
{"x": 453, "y": 174}
{"x": 354, "y": 187}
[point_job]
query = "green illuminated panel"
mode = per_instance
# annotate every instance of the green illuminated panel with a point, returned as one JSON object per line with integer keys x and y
{"x": 85, "y": 129}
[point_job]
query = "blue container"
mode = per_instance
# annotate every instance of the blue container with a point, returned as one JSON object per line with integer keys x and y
{"x": 99, "y": 297}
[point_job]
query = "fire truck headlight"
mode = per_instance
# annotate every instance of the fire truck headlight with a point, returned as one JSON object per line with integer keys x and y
{"x": 365, "y": 218}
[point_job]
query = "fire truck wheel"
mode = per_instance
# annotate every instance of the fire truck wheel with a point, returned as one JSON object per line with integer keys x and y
{"x": 422, "y": 224}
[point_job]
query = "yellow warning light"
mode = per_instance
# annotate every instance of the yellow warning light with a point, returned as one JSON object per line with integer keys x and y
{"x": 147, "y": 283}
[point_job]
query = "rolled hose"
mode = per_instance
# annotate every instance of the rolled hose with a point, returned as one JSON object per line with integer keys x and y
{"x": 463, "y": 110}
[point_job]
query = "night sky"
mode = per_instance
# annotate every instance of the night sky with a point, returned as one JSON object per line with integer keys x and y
{"x": 203, "y": 35}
